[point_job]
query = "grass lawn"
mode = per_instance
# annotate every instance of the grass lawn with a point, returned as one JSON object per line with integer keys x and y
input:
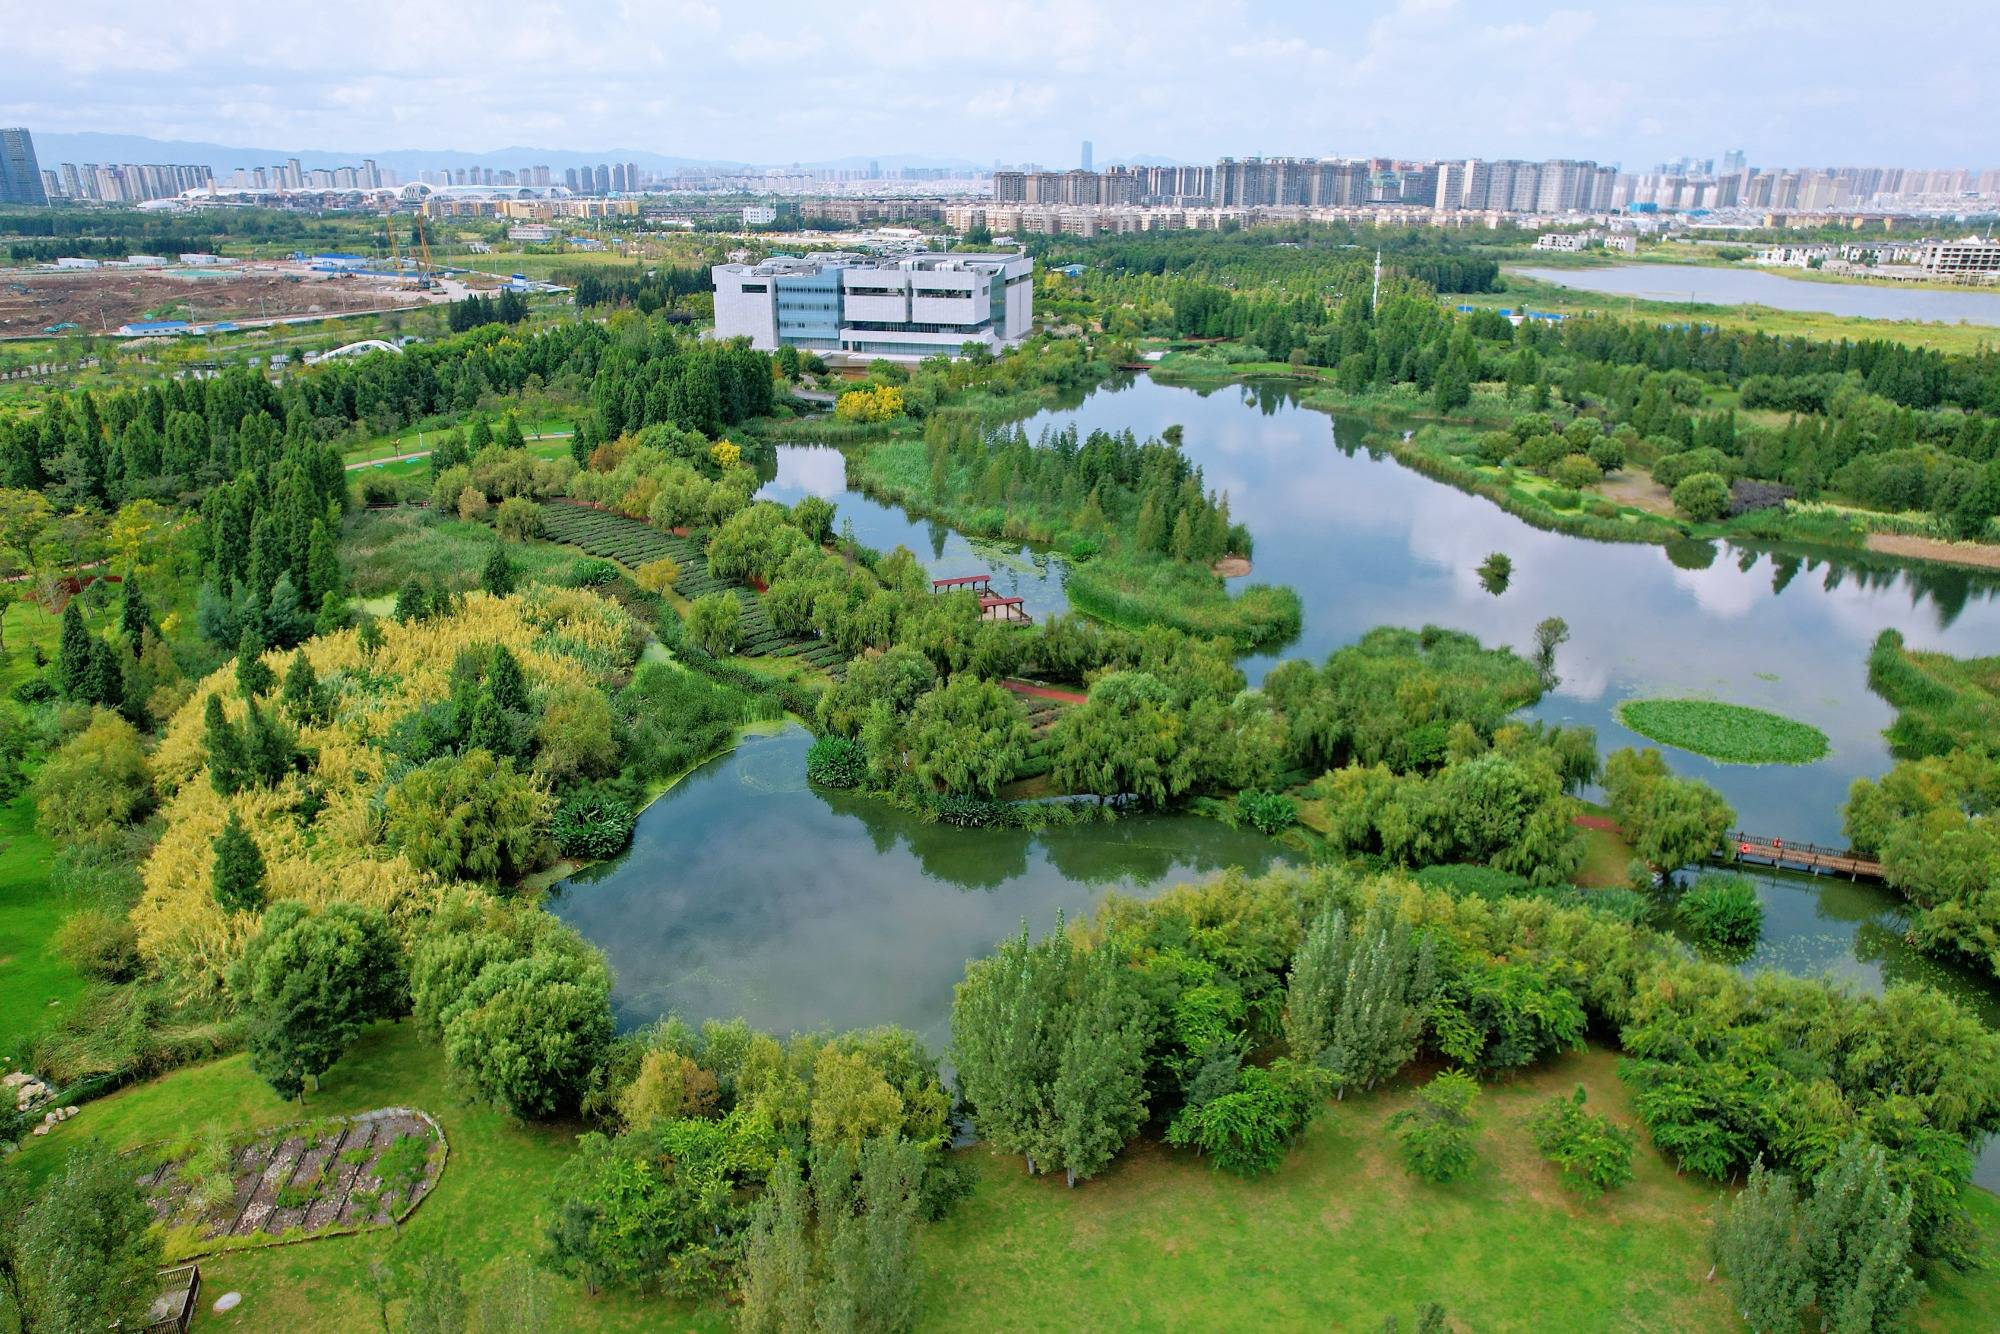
{"x": 33, "y": 981}
{"x": 486, "y": 1208}
{"x": 1343, "y": 1236}
{"x": 1338, "y": 1238}
{"x": 382, "y": 548}
{"x": 1732, "y": 733}
{"x": 1606, "y": 853}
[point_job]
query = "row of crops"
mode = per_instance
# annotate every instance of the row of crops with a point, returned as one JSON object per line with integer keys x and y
{"x": 633, "y": 542}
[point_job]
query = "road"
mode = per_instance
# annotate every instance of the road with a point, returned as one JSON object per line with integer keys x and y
{"x": 425, "y": 453}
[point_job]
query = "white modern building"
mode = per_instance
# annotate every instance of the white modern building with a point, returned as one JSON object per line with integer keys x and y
{"x": 903, "y": 306}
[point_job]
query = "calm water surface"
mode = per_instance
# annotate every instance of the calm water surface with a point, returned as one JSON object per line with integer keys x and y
{"x": 1742, "y": 287}
{"x": 747, "y": 893}
{"x": 1367, "y": 542}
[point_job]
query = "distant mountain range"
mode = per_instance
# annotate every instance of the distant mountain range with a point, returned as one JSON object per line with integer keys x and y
{"x": 89, "y": 146}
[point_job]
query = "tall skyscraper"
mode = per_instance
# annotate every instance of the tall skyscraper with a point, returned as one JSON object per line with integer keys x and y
{"x": 20, "y": 174}
{"x": 1086, "y": 155}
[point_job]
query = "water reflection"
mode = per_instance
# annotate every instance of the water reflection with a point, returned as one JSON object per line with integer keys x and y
{"x": 1367, "y": 542}
{"x": 747, "y": 893}
{"x": 797, "y": 471}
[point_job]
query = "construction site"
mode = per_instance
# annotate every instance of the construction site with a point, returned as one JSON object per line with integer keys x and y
{"x": 108, "y": 300}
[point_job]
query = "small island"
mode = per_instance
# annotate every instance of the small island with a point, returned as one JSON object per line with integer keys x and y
{"x": 1731, "y": 733}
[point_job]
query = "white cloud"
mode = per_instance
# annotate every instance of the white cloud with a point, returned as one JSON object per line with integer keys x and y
{"x": 1023, "y": 79}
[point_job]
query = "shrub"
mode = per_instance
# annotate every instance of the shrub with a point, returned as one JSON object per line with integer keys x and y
{"x": 472, "y": 504}
{"x": 589, "y": 572}
{"x": 1703, "y": 496}
{"x": 834, "y": 761}
{"x": 657, "y": 576}
{"x": 95, "y": 784}
{"x": 1437, "y": 1134}
{"x": 715, "y": 623}
{"x": 1594, "y": 1154}
{"x": 1721, "y": 912}
{"x": 592, "y": 827}
{"x": 518, "y": 519}
{"x": 99, "y": 943}
{"x": 1576, "y": 471}
{"x": 1267, "y": 812}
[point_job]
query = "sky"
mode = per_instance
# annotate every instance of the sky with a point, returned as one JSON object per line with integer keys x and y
{"x": 1834, "y": 82}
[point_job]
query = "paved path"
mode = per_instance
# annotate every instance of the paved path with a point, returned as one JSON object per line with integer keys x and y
{"x": 425, "y": 453}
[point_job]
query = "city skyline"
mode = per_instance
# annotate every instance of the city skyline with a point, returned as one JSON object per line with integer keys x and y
{"x": 1410, "y": 78}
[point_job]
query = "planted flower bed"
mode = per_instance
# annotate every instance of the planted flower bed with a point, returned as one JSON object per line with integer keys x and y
{"x": 316, "y": 1178}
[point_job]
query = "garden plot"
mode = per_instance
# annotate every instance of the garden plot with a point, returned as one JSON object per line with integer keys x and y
{"x": 335, "y": 1175}
{"x": 633, "y": 543}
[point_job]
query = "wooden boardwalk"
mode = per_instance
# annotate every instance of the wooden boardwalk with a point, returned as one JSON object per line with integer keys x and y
{"x": 1782, "y": 853}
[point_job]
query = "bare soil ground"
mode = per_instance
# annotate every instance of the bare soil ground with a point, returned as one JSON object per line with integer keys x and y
{"x": 1639, "y": 491}
{"x": 1232, "y": 567}
{"x": 99, "y": 300}
{"x": 1983, "y": 555}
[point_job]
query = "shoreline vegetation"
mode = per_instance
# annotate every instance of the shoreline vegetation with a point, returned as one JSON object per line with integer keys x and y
{"x": 1443, "y": 448}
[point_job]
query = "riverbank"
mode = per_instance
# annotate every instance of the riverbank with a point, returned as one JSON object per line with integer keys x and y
{"x": 1522, "y": 291}
{"x": 1626, "y": 506}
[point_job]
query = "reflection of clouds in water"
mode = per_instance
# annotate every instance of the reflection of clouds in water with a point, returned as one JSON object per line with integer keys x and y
{"x": 811, "y": 471}
{"x": 1724, "y": 591}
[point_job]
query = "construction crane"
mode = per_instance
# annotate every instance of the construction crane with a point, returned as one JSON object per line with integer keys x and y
{"x": 425, "y": 269}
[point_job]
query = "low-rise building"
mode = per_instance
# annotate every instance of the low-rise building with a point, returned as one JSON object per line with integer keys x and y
{"x": 531, "y": 232}
{"x": 907, "y": 306}
{"x": 1973, "y": 258}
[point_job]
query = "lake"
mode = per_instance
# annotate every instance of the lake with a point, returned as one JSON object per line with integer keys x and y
{"x": 1746, "y": 287}
{"x": 748, "y": 893}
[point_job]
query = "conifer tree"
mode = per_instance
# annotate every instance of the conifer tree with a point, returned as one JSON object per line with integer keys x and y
{"x": 497, "y": 577}
{"x": 300, "y": 696}
{"x": 73, "y": 656}
{"x": 134, "y": 616}
{"x": 223, "y": 746}
{"x": 510, "y": 433}
{"x": 506, "y": 682}
{"x": 269, "y": 749}
{"x": 253, "y": 678}
{"x": 104, "y": 678}
{"x": 368, "y": 638}
{"x": 412, "y": 602}
{"x": 323, "y": 575}
{"x": 777, "y": 1257}
{"x": 237, "y": 878}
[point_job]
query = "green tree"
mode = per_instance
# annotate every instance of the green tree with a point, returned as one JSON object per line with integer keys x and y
{"x": 778, "y": 1288}
{"x": 1437, "y": 1135}
{"x": 253, "y": 678}
{"x": 1757, "y": 1246}
{"x": 1855, "y": 1227}
{"x": 1024, "y": 1068}
{"x": 715, "y": 623}
{"x": 1358, "y": 1001}
{"x": 472, "y": 816}
{"x": 497, "y": 576}
{"x": 222, "y": 748}
{"x": 1593, "y": 1154}
{"x": 73, "y": 654}
{"x": 1099, "y": 1095}
{"x": 530, "y": 1033}
{"x": 1669, "y": 821}
{"x": 309, "y": 982}
{"x": 413, "y": 602}
{"x": 1248, "y": 1128}
{"x": 95, "y": 784}
{"x": 434, "y": 1301}
{"x": 967, "y": 736}
{"x": 237, "y": 878}
{"x": 135, "y": 617}
{"x": 1702, "y": 497}
{"x": 300, "y": 696}
{"x": 84, "y": 1254}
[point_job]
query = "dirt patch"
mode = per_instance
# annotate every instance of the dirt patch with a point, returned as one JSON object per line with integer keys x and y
{"x": 99, "y": 300}
{"x": 1638, "y": 491}
{"x": 1232, "y": 567}
{"x": 1045, "y": 692}
{"x": 1604, "y": 822}
{"x": 1982, "y": 555}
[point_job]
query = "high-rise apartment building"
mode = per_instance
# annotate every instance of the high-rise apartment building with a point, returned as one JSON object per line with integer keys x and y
{"x": 20, "y": 174}
{"x": 1084, "y": 161}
